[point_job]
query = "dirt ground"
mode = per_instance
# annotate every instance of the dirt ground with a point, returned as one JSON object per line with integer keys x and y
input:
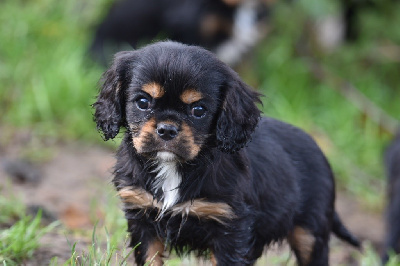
{"x": 73, "y": 175}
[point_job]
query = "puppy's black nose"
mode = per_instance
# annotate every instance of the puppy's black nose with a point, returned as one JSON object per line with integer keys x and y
{"x": 167, "y": 131}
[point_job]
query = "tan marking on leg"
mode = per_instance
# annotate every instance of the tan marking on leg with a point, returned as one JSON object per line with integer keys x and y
{"x": 154, "y": 254}
{"x": 187, "y": 134}
{"x": 154, "y": 89}
{"x": 190, "y": 96}
{"x": 213, "y": 260}
{"x": 137, "y": 198}
{"x": 217, "y": 211}
{"x": 147, "y": 129}
{"x": 302, "y": 241}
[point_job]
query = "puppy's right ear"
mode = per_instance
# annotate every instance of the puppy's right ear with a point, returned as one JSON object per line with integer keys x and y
{"x": 110, "y": 104}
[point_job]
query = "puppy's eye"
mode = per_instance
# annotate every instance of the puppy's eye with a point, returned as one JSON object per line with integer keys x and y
{"x": 198, "y": 111}
{"x": 143, "y": 104}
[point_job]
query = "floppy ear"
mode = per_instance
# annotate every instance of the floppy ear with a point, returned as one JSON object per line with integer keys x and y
{"x": 239, "y": 115}
{"x": 110, "y": 104}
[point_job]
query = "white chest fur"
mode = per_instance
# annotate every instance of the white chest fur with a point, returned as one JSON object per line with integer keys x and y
{"x": 168, "y": 179}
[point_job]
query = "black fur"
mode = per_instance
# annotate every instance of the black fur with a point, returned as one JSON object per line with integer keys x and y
{"x": 207, "y": 23}
{"x": 392, "y": 163}
{"x": 272, "y": 175}
{"x": 352, "y": 11}
{"x": 131, "y": 22}
{"x": 109, "y": 107}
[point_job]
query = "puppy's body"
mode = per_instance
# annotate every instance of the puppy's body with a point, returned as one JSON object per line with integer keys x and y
{"x": 392, "y": 163}
{"x": 186, "y": 176}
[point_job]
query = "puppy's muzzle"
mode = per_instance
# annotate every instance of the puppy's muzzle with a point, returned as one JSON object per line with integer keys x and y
{"x": 167, "y": 131}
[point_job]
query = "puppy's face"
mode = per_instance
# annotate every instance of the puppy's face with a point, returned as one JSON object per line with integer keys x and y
{"x": 163, "y": 117}
{"x": 175, "y": 100}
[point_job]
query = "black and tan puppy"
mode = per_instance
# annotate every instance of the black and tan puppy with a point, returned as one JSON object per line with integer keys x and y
{"x": 392, "y": 163}
{"x": 229, "y": 27}
{"x": 201, "y": 22}
{"x": 190, "y": 177}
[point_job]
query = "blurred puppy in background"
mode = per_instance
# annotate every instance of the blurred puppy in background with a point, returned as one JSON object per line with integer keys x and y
{"x": 228, "y": 27}
{"x": 188, "y": 174}
{"x": 353, "y": 10}
{"x": 392, "y": 164}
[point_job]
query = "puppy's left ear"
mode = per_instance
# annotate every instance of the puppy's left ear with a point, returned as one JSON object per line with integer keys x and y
{"x": 239, "y": 115}
{"x": 110, "y": 104}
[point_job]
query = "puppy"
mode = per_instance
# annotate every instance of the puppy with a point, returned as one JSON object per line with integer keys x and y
{"x": 230, "y": 27}
{"x": 190, "y": 178}
{"x": 352, "y": 10}
{"x": 392, "y": 163}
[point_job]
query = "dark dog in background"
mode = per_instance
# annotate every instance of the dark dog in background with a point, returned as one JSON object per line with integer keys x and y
{"x": 353, "y": 9}
{"x": 233, "y": 24}
{"x": 392, "y": 165}
{"x": 188, "y": 174}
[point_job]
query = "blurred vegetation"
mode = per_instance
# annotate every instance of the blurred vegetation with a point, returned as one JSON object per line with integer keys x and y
{"x": 11, "y": 207}
{"x": 19, "y": 242}
{"x": 371, "y": 258}
{"x": 48, "y": 82}
{"x": 107, "y": 245}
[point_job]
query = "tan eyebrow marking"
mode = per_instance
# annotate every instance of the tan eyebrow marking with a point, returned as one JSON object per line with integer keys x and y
{"x": 154, "y": 89}
{"x": 190, "y": 96}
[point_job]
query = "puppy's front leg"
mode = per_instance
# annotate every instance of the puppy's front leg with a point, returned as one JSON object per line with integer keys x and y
{"x": 149, "y": 248}
{"x": 233, "y": 247}
{"x": 228, "y": 257}
{"x": 150, "y": 253}
{"x": 154, "y": 253}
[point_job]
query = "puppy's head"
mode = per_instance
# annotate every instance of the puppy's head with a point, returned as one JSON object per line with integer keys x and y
{"x": 174, "y": 101}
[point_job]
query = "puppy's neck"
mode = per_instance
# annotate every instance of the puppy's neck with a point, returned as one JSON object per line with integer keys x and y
{"x": 168, "y": 179}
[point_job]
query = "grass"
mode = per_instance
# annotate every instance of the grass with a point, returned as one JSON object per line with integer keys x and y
{"x": 19, "y": 242}
{"x": 12, "y": 209}
{"x": 19, "y": 233}
{"x": 111, "y": 254}
{"x": 47, "y": 80}
{"x": 371, "y": 258}
{"x": 106, "y": 240}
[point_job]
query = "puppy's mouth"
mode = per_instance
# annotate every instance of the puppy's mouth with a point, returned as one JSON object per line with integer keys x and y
{"x": 166, "y": 156}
